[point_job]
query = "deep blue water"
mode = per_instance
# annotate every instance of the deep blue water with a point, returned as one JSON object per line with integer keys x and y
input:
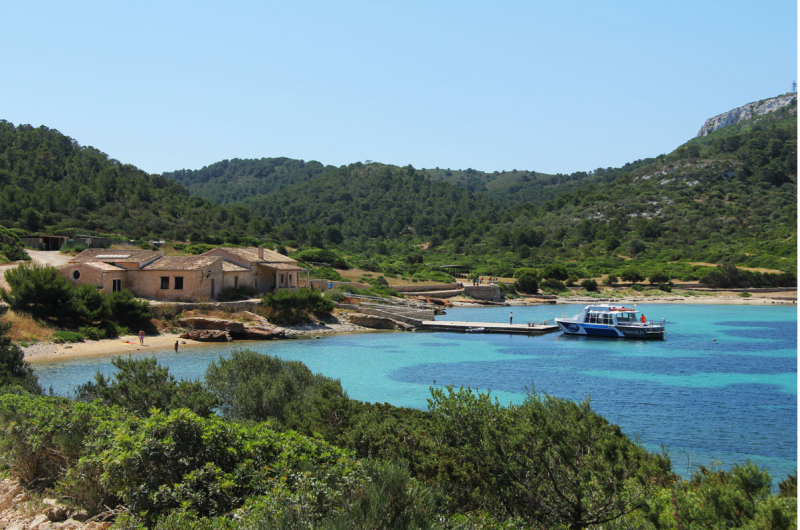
{"x": 722, "y": 386}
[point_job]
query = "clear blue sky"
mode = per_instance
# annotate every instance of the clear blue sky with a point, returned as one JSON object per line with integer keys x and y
{"x": 539, "y": 85}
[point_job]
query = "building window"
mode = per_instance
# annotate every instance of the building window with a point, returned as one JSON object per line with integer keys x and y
{"x": 165, "y": 282}
{"x": 290, "y": 278}
{"x": 116, "y": 285}
{"x": 235, "y": 282}
{"x": 178, "y": 282}
{"x": 281, "y": 279}
{"x": 76, "y": 274}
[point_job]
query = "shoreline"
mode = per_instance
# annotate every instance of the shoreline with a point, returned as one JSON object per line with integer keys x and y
{"x": 49, "y": 352}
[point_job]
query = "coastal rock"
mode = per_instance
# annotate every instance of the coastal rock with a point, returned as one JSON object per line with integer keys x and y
{"x": 211, "y": 323}
{"x": 208, "y": 335}
{"x": 260, "y": 333}
{"x": 376, "y": 322}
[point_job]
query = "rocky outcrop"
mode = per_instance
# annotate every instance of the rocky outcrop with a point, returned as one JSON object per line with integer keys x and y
{"x": 208, "y": 335}
{"x": 207, "y": 329}
{"x": 18, "y": 511}
{"x": 376, "y": 322}
{"x": 746, "y": 112}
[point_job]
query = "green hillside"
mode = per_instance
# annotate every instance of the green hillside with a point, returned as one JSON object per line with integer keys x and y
{"x": 236, "y": 180}
{"x": 730, "y": 196}
{"x": 49, "y": 182}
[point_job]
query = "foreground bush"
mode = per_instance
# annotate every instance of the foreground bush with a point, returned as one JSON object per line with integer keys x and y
{"x": 140, "y": 385}
{"x": 258, "y": 387}
{"x": 16, "y": 374}
{"x": 182, "y": 468}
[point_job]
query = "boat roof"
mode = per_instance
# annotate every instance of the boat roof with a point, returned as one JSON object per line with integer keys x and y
{"x": 608, "y": 307}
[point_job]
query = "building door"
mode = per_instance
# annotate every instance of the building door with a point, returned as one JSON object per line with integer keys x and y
{"x": 213, "y": 289}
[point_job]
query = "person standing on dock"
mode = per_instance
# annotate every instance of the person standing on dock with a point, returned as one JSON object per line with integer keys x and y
{"x": 511, "y": 318}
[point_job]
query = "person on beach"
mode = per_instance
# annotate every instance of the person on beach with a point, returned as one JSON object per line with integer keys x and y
{"x": 176, "y": 346}
{"x": 511, "y": 318}
{"x": 141, "y": 338}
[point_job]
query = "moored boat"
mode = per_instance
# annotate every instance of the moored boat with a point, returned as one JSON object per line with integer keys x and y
{"x": 605, "y": 320}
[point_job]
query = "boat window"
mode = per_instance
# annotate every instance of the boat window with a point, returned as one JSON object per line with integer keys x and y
{"x": 588, "y": 317}
{"x": 605, "y": 319}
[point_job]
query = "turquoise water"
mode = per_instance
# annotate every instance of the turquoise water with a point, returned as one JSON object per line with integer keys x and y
{"x": 722, "y": 386}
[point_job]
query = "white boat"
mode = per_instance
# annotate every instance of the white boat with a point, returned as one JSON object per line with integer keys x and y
{"x": 604, "y": 320}
{"x": 475, "y": 330}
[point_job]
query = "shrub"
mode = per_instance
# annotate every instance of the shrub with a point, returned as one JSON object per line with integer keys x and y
{"x": 38, "y": 290}
{"x": 15, "y": 371}
{"x": 589, "y": 285}
{"x": 92, "y": 333}
{"x": 667, "y": 288}
{"x": 140, "y": 385}
{"x": 526, "y": 283}
{"x": 610, "y": 280}
{"x": 555, "y": 272}
{"x": 10, "y": 245}
{"x": 68, "y": 336}
{"x": 179, "y": 246}
{"x": 319, "y": 255}
{"x": 553, "y": 285}
{"x": 258, "y": 387}
{"x": 293, "y": 307}
{"x": 631, "y": 275}
{"x": 198, "y": 248}
{"x": 124, "y": 308}
{"x": 326, "y": 273}
{"x": 88, "y": 303}
{"x": 659, "y": 277}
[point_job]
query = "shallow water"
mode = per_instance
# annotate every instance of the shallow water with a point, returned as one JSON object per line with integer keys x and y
{"x": 721, "y": 387}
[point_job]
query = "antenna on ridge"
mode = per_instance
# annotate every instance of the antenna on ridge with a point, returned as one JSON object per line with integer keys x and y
{"x": 794, "y": 86}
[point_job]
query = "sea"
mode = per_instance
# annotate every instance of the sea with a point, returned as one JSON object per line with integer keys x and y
{"x": 720, "y": 389}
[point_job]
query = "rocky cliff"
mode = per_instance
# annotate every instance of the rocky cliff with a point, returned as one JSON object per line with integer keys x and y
{"x": 745, "y": 113}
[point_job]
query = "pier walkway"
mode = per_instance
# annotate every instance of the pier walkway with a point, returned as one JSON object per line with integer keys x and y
{"x": 489, "y": 327}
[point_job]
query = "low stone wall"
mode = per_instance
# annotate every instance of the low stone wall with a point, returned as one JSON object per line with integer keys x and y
{"x": 436, "y": 294}
{"x": 425, "y": 288}
{"x": 491, "y": 293}
{"x": 159, "y": 309}
{"x": 409, "y": 316}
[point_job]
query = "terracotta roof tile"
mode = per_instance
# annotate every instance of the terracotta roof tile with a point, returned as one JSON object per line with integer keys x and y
{"x": 251, "y": 254}
{"x": 232, "y": 267}
{"x": 115, "y": 256}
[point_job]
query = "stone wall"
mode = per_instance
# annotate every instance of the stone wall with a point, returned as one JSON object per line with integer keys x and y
{"x": 491, "y": 293}
{"x": 425, "y": 288}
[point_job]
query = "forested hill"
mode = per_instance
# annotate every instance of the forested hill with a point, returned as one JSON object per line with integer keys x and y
{"x": 235, "y": 180}
{"x": 728, "y": 196}
{"x": 522, "y": 186}
{"x": 49, "y": 182}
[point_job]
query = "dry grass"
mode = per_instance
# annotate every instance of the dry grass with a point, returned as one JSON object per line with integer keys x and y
{"x": 26, "y": 330}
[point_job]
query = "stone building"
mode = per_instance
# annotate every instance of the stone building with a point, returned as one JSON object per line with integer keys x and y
{"x": 150, "y": 274}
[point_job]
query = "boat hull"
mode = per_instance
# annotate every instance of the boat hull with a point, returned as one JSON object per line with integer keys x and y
{"x": 620, "y": 332}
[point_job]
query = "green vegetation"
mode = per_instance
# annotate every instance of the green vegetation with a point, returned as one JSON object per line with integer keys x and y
{"x": 466, "y": 462}
{"x": 16, "y": 375}
{"x": 45, "y": 294}
{"x": 11, "y": 248}
{"x": 141, "y": 386}
{"x": 294, "y": 307}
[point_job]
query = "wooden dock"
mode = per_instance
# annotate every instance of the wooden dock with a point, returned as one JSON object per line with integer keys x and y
{"x": 489, "y": 327}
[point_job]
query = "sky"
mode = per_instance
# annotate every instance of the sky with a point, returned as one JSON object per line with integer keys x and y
{"x": 553, "y": 87}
